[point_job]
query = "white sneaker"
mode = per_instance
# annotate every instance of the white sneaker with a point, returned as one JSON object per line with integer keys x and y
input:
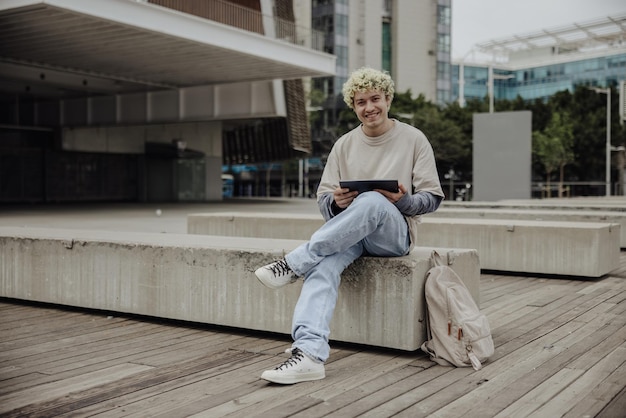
{"x": 298, "y": 368}
{"x": 275, "y": 275}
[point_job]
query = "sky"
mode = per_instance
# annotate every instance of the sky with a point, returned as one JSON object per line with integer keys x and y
{"x": 476, "y": 21}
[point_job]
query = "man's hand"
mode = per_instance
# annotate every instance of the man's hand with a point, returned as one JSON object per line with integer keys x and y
{"x": 391, "y": 196}
{"x": 343, "y": 197}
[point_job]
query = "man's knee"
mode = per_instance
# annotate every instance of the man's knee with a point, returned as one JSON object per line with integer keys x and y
{"x": 373, "y": 201}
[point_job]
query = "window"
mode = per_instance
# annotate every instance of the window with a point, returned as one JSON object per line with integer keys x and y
{"x": 443, "y": 15}
{"x": 443, "y": 42}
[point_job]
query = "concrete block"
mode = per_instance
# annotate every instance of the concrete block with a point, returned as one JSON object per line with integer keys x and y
{"x": 616, "y": 204}
{"x": 551, "y": 215}
{"x": 585, "y": 249}
{"x": 210, "y": 279}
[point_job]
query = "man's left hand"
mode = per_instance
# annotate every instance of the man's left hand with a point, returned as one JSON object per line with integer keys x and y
{"x": 391, "y": 196}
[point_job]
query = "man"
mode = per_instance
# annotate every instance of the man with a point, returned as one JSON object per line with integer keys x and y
{"x": 376, "y": 223}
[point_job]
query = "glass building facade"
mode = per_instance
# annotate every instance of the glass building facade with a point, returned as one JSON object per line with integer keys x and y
{"x": 331, "y": 18}
{"x": 538, "y": 81}
{"x": 444, "y": 48}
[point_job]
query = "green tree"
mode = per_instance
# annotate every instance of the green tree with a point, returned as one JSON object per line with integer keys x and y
{"x": 460, "y": 140}
{"x": 553, "y": 148}
{"x": 316, "y": 100}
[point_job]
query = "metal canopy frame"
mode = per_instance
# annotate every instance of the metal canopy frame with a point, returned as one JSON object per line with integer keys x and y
{"x": 603, "y": 32}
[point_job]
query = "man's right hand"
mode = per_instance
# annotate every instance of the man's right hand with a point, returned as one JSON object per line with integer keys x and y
{"x": 343, "y": 197}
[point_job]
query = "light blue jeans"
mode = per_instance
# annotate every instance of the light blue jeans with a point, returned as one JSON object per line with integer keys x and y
{"x": 371, "y": 225}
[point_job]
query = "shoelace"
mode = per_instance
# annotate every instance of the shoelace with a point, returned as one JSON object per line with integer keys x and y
{"x": 280, "y": 267}
{"x": 296, "y": 357}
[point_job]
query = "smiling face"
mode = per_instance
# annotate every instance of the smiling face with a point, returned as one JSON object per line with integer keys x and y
{"x": 372, "y": 107}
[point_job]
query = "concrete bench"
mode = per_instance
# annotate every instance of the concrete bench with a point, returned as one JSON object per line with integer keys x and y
{"x": 605, "y": 205}
{"x": 585, "y": 249}
{"x": 210, "y": 279}
{"x": 552, "y": 215}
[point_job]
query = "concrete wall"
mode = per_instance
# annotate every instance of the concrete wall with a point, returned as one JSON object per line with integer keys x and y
{"x": 502, "y": 155}
{"x": 365, "y": 28}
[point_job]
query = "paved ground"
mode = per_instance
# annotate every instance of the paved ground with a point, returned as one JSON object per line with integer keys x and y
{"x": 140, "y": 217}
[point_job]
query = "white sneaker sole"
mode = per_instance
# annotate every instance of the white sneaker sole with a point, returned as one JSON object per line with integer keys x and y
{"x": 273, "y": 377}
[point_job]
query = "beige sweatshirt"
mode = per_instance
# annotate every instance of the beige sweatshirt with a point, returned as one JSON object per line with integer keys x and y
{"x": 403, "y": 153}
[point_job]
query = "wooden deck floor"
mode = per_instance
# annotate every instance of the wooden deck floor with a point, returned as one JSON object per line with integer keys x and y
{"x": 560, "y": 351}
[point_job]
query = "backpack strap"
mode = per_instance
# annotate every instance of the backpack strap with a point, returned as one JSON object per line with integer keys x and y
{"x": 429, "y": 334}
{"x": 433, "y": 357}
{"x": 436, "y": 259}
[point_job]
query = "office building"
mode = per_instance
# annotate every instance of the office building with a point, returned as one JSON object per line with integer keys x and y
{"x": 539, "y": 64}
{"x": 143, "y": 100}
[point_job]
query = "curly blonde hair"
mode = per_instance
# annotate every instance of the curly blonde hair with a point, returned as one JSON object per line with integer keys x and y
{"x": 365, "y": 79}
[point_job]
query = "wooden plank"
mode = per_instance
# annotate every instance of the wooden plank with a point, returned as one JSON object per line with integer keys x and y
{"x": 67, "y": 339}
{"x": 43, "y": 369}
{"x": 30, "y": 321}
{"x": 618, "y": 298}
{"x": 365, "y": 364}
{"x": 595, "y": 403}
{"x": 501, "y": 285}
{"x": 42, "y": 393}
{"x": 187, "y": 350}
{"x": 190, "y": 393}
{"x": 553, "y": 315}
{"x": 582, "y": 387}
{"x": 52, "y": 348}
{"x": 359, "y": 400}
{"x": 202, "y": 383}
{"x": 76, "y": 400}
{"x": 432, "y": 382}
{"x": 616, "y": 407}
{"x": 609, "y": 283}
{"x": 530, "y": 402}
{"x": 68, "y": 348}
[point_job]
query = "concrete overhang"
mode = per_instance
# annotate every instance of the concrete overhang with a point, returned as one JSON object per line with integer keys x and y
{"x": 77, "y": 47}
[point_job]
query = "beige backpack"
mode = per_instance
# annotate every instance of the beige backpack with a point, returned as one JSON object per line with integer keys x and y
{"x": 458, "y": 334}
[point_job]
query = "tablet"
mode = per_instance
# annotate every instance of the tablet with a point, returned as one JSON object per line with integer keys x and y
{"x": 367, "y": 185}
